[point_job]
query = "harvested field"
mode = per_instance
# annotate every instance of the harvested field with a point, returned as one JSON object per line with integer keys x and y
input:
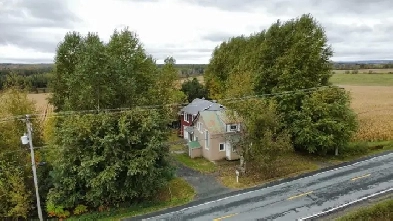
{"x": 41, "y": 102}
{"x": 374, "y": 105}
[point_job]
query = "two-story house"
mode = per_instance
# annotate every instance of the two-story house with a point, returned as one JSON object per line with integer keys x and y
{"x": 211, "y": 135}
{"x": 189, "y": 112}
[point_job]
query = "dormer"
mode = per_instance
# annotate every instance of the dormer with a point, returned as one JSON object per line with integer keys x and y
{"x": 233, "y": 127}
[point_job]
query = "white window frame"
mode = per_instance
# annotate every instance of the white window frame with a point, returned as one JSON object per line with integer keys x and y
{"x": 233, "y": 125}
{"x": 185, "y": 117}
{"x": 207, "y": 137}
{"x": 219, "y": 146}
{"x": 199, "y": 126}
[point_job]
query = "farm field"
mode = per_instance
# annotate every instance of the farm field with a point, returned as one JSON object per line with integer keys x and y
{"x": 374, "y": 106}
{"x": 363, "y": 79}
{"x": 41, "y": 102}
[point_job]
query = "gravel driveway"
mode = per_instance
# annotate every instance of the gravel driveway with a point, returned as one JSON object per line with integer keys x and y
{"x": 205, "y": 185}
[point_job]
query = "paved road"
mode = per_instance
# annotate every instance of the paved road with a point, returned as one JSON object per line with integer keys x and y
{"x": 298, "y": 198}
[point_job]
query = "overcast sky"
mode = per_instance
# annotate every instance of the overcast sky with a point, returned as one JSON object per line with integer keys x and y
{"x": 189, "y": 29}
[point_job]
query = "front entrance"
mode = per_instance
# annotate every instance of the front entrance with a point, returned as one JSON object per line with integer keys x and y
{"x": 185, "y": 133}
{"x": 228, "y": 149}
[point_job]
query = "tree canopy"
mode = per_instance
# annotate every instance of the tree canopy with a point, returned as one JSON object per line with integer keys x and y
{"x": 193, "y": 89}
{"x": 106, "y": 158}
{"x": 291, "y": 56}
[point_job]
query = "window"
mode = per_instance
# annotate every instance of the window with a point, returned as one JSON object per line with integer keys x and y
{"x": 232, "y": 128}
{"x": 222, "y": 147}
{"x": 199, "y": 126}
{"x": 206, "y": 139}
{"x": 185, "y": 116}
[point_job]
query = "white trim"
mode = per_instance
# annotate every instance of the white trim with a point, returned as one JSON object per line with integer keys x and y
{"x": 207, "y": 139}
{"x": 264, "y": 188}
{"x": 185, "y": 117}
{"x": 219, "y": 146}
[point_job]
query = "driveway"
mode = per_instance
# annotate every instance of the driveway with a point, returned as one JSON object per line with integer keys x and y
{"x": 205, "y": 185}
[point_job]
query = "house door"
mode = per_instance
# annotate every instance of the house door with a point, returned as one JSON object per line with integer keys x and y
{"x": 228, "y": 150}
{"x": 185, "y": 133}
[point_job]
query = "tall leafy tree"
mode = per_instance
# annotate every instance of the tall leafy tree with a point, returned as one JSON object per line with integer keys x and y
{"x": 289, "y": 56}
{"x": 193, "y": 89}
{"x": 261, "y": 141}
{"x": 133, "y": 69}
{"x": 65, "y": 63}
{"x": 105, "y": 159}
{"x": 165, "y": 90}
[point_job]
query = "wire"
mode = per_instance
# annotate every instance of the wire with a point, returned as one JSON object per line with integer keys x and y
{"x": 155, "y": 107}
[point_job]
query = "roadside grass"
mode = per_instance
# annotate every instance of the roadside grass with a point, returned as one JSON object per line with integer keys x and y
{"x": 289, "y": 165}
{"x": 355, "y": 151}
{"x": 379, "y": 211}
{"x": 178, "y": 192}
{"x": 174, "y": 138}
{"x": 362, "y": 79}
{"x": 199, "y": 164}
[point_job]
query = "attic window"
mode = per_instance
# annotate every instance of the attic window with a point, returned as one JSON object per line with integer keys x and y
{"x": 233, "y": 127}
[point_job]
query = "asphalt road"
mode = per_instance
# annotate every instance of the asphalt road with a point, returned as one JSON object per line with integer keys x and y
{"x": 298, "y": 198}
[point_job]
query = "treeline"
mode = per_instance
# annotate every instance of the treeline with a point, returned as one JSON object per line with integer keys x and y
{"x": 38, "y": 77}
{"x": 355, "y": 66}
{"x": 31, "y": 78}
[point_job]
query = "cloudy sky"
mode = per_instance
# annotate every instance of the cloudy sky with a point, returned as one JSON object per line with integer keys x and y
{"x": 189, "y": 29}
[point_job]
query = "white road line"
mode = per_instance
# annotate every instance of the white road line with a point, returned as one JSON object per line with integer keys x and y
{"x": 345, "y": 204}
{"x": 253, "y": 191}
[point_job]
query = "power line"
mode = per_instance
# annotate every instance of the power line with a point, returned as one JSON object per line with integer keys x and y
{"x": 155, "y": 107}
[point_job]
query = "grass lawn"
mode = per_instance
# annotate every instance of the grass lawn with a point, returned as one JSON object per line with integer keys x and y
{"x": 175, "y": 138}
{"x": 199, "y": 164}
{"x": 290, "y": 165}
{"x": 379, "y": 211}
{"x": 177, "y": 193}
{"x": 363, "y": 79}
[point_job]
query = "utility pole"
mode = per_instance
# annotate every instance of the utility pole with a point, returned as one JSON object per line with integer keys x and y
{"x": 30, "y": 139}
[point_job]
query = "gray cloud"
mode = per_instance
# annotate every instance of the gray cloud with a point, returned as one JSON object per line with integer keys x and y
{"x": 230, "y": 5}
{"x": 217, "y": 37}
{"x": 22, "y": 22}
{"x": 292, "y": 7}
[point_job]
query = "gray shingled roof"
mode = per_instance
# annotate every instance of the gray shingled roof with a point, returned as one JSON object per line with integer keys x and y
{"x": 199, "y": 105}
